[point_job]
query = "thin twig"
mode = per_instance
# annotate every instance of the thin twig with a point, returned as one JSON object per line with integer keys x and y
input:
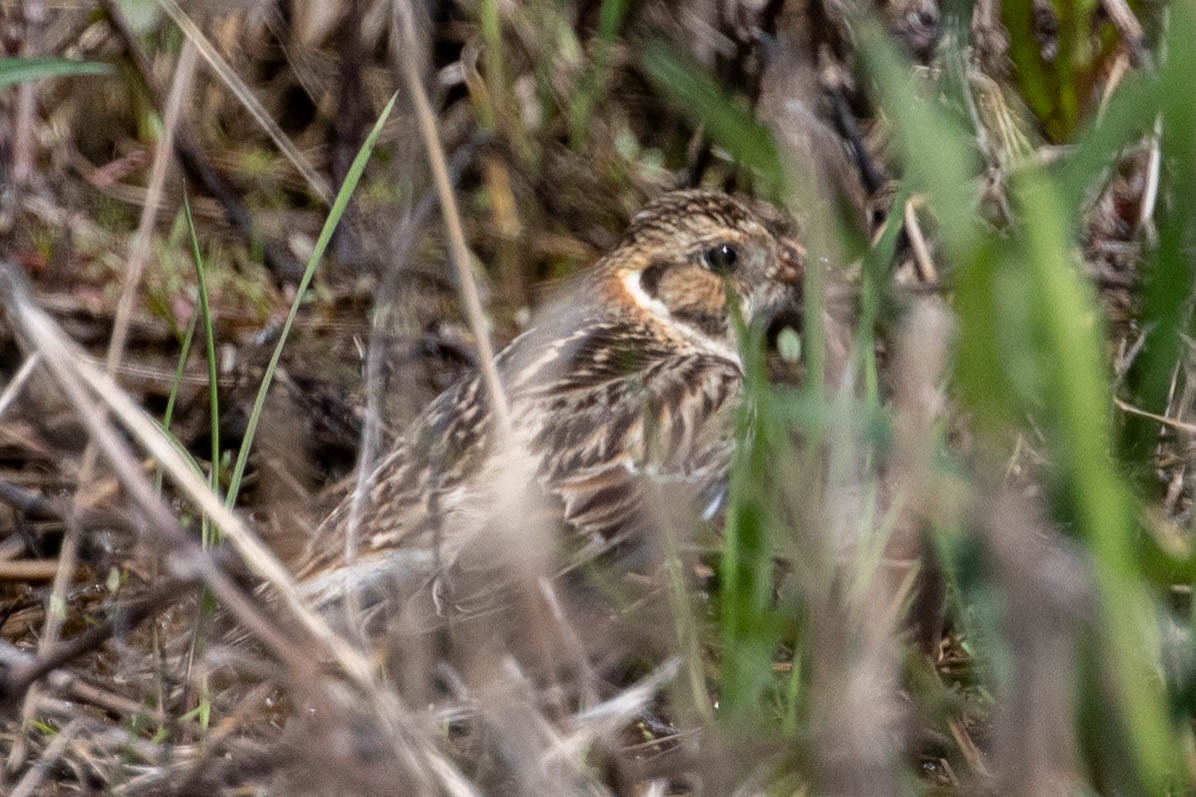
{"x": 28, "y": 570}
{"x": 41, "y": 507}
{"x": 13, "y": 390}
{"x": 54, "y": 750}
{"x": 1150, "y": 195}
{"x": 16, "y": 660}
{"x": 452, "y": 222}
{"x": 237, "y": 86}
{"x": 1129, "y": 27}
{"x": 1121, "y": 65}
{"x": 917, "y": 241}
{"x": 139, "y": 248}
{"x": 1163, "y": 420}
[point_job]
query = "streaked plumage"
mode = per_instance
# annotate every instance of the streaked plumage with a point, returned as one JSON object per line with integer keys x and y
{"x": 633, "y": 375}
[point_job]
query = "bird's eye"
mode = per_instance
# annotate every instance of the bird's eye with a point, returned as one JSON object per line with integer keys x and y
{"x": 721, "y": 259}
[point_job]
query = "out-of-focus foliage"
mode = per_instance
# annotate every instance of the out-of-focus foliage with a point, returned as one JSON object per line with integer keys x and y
{"x": 20, "y": 70}
{"x": 1061, "y": 50}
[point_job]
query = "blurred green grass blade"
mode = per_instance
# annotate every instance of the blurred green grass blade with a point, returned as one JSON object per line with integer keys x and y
{"x": 936, "y": 149}
{"x": 1028, "y": 344}
{"x": 205, "y": 311}
{"x": 1161, "y": 567}
{"x": 940, "y": 160}
{"x": 1130, "y": 113}
{"x": 1080, "y": 409}
{"x": 1168, "y": 277}
{"x": 20, "y": 70}
{"x": 728, "y": 123}
{"x": 748, "y": 622}
{"x": 334, "y": 216}
{"x": 874, "y": 291}
{"x": 209, "y": 340}
{"x": 490, "y": 28}
{"x": 175, "y": 382}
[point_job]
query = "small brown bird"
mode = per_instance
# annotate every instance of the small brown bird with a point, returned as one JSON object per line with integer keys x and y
{"x": 634, "y": 375}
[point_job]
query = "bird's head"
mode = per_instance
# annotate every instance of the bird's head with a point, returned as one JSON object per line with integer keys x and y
{"x": 687, "y": 253}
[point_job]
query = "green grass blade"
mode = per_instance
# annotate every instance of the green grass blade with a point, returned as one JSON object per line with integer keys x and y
{"x": 21, "y": 70}
{"x": 1168, "y": 277}
{"x": 176, "y": 381}
{"x": 334, "y": 217}
{"x": 748, "y": 622}
{"x": 1028, "y": 346}
{"x": 1103, "y": 505}
{"x": 728, "y": 123}
{"x": 210, "y": 350}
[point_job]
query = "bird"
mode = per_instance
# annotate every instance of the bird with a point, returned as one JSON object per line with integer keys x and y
{"x": 629, "y": 380}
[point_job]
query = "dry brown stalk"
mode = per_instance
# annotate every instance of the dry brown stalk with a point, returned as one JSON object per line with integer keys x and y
{"x": 452, "y": 221}
{"x": 28, "y": 570}
{"x": 13, "y": 389}
{"x": 242, "y": 92}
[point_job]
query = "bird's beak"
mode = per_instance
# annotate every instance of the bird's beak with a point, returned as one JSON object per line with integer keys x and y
{"x": 791, "y": 262}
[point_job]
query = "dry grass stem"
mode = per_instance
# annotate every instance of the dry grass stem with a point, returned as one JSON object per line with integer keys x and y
{"x": 1132, "y": 35}
{"x": 28, "y": 570}
{"x": 1162, "y": 420}
{"x": 452, "y": 220}
{"x": 139, "y": 248}
{"x": 13, "y": 389}
{"x": 927, "y": 273}
{"x": 314, "y": 179}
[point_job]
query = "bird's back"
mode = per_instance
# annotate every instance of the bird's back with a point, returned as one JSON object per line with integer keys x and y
{"x": 604, "y": 409}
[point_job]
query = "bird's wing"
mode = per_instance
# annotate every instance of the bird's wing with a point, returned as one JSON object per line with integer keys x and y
{"x": 621, "y": 463}
{"x": 608, "y": 421}
{"x": 627, "y": 446}
{"x": 400, "y": 506}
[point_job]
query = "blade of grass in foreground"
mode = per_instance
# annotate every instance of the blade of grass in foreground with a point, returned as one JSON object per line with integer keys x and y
{"x": 210, "y": 350}
{"x": 1028, "y": 346}
{"x": 176, "y": 381}
{"x": 1103, "y": 505}
{"x": 748, "y": 623}
{"x": 334, "y": 217}
{"x": 20, "y": 70}
{"x": 1167, "y": 278}
{"x": 727, "y": 123}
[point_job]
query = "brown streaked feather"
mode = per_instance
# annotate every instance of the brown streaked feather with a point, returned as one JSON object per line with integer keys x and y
{"x": 583, "y": 411}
